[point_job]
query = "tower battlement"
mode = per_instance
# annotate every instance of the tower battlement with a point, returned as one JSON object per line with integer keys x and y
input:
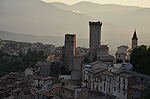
{"x": 95, "y": 23}
{"x": 70, "y": 37}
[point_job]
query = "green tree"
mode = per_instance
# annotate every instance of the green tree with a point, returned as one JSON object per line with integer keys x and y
{"x": 140, "y": 59}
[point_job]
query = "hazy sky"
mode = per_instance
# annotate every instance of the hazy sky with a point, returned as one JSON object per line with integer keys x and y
{"x": 142, "y": 3}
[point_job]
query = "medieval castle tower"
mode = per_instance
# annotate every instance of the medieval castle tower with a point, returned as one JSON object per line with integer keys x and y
{"x": 95, "y": 39}
{"x": 70, "y": 45}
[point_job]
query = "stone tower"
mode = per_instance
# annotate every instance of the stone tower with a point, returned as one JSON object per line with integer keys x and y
{"x": 134, "y": 40}
{"x": 70, "y": 45}
{"x": 95, "y": 39}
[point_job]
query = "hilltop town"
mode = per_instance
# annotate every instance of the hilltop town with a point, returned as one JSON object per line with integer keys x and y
{"x": 70, "y": 72}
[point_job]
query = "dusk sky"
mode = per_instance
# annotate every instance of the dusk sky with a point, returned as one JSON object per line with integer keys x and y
{"x": 141, "y": 3}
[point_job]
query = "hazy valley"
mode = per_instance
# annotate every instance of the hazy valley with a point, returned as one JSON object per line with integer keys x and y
{"x": 52, "y": 20}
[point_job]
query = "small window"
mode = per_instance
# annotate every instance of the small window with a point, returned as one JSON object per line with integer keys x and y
{"x": 100, "y": 87}
{"x": 119, "y": 79}
{"x": 110, "y": 70}
{"x": 124, "y": 93}
{"x": 114, "y": 88}
{"x": 123, "y": 81}
{"x": 71, "y": 93}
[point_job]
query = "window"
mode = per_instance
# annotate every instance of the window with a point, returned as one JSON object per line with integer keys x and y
{"x": 100, "y": 87}
{"x": 119, "y": 86}
{"x": 63, "y": 91}
{"x": 71, "y": 93}
{"x": 124, "y": 93}
{"x": 104, "y": 78}
{"x": 100, "y": 80}
{"x": 114, "y": 88}
{"x": 123, "y": 81}
{"x": 104, "y": 84}
{"x": 119, "y": 79}
{"x": 110, "y": 70}
{"x": 123, "y": 87}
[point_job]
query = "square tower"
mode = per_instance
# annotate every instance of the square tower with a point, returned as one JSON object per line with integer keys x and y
{"x": 70, "y": 45}
{"x": 95, "y": 39}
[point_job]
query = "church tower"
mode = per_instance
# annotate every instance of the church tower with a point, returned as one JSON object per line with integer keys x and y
{"x": 95, "y": 39}
{"x": 134, "y": 40}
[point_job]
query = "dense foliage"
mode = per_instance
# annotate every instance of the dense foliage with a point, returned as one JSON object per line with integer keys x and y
{"x": 19, "y": 63}
{"x": 146, "y": 97}
{"x": 140, "y": 58}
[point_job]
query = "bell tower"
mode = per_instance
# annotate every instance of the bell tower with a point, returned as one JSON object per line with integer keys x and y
{"x": 134, "y": 40}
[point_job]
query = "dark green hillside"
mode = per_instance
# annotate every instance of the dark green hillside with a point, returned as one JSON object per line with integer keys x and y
{"x": 19, "y": 63}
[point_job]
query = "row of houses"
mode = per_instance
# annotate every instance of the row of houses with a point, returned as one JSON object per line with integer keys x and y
{"x": 114, "y": 83}
{"x": 17, "y": 86}
{"x": 14, "y": 48}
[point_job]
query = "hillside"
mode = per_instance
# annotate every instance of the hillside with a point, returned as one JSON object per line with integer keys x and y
{"x": 39, "y": 18}
{"x": 105, "y": 12}
{"x": 49, "y": 22}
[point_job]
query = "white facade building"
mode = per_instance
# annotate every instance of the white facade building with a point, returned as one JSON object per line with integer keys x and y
{"x": 109, "y": 84}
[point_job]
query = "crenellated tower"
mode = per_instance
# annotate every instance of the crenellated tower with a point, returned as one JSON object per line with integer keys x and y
{"x": 70, "y": 45}
{"x": 95, "y": 39}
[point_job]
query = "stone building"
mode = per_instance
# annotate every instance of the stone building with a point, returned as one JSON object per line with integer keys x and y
{"x": 70, "y": 91}
{"x": 70, "y": 45}
{"x": 134, "y": 40}
{"x": 95, "y": 39}
{"x": 103, "y": 50}
{"x": 72, "y": 61}
{"x": 77, "y": 67}
{"x": 122, "y": 54}
{"x": 137, "y": 91}
{"x": 110, "y": 85}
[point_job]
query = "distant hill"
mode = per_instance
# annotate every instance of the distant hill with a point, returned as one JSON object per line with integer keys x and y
{"x": 55, "y": 40}
{"x": 39, "y": 18}
{"x": 49, "y": 22}
{"x": 124, "y": 17}
{"x": 104, "y": 12}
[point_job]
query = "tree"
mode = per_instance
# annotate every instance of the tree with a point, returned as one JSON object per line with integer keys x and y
{"x": 140, "y": 59}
